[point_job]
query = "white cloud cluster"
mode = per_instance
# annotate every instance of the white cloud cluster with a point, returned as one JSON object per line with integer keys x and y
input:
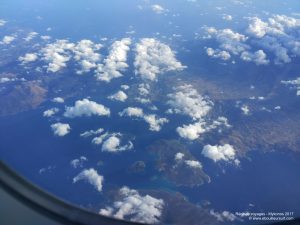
{"x": 58, "y": 100}
{"x": 193, "y": 164}
{"x": 85, "y": 107}
{"x": 119, "y": 96}
{"x": 194, "y": 130}
{"x": 153, "y": 58}
{"x": 50, "y": 112}
{"x": 115, "y": 62}
{"x": 294, "y": 83}
{"x": 57, "y": 55}
{"x": 155, "y": 123}
{"x": 277, "y": 34}
{"x": 219, "y": 54}
{"x": 187, "y": 101}
{"x": 76, "y": 163}
{"x": 113, "y": 144}
{"x": 2, "y": 22}
{"x": 7, "y": 39}
{"x": 60, "y": 129}
{"x": 220, "y": 152}
{"x": 91, "y": 132}
{"x": 30, "y": 36}
{"x": 85, "y": 54}
{"x": 10, "y": 79}
{"x": 157, "y": 8}
{"x": 92, "y": 177}
{"x": 28, "y": 57}
{"x": 259, "y": 57}
{"x": 135, "y": 207}
{"x": 223, "y": 216}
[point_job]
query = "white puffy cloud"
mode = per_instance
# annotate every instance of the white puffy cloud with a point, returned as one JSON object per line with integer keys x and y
{"x": 2, "y": 22}
{"x": 229, "y": 41}
{"x": 277, "y": 34}
{"x": 259, "y": 57}
{"x": 58, "y": 100}
{"x": 50, "y": 112}
{"x": 187, "y": 101}
{"x": 115, "y": 62}
{"x": 227, "y": 17}
{"x": 85, "y": 107}
{"x": 61, "y": 129}
{"x": 85, "y": 54}
{"x": 224, "y": 55}
{"x": 178, "y": 156}
{"x": 157, "y": 9}
{"x": 193, "y": 164}
{"x": 245, "y": 109}
{"x": 194, "y": 130}
{"x": 223, "y": 216}
{"x": 91, "y": 132}
{"x": 153, "y": 58}
{"x": 125, "y": 87}
{"x": 113, "y": 144}
{"x": 294, "y": 83}
{"x": 30, "y": 36}
{"x": 135, "y": 207}
{"x": 76, "y": 163}
{"x": 7, "y": 40}
{"x": 132, "y": 111}
{"x": 155, "y": 123}
{"x": 92, "y": 177}
{"x": 119, "y": 96}
{"x": 57, "y": 55}
{"x": 219, "y": 152}
{"x": 28, "y": 57}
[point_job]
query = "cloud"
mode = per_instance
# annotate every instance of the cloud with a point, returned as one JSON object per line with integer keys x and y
{"x": 155, "y": 123}
{"x": 61, "y": 129}
{"x": 2, "y": 22}
{"x": 259, "y": 57}
{"x": 219, "y": 152}
{"x": 223, "y": 216}
{"x": 178, "y": 156}
{"x": 224, "y": 55}
{"x": 29, "y": 57}
{"x": 92, "y": 177}
{"x": 153, "y": 58}
{"x": 193, "y": 164}
{"x": 227, "y": 17}
{"x": 119, "y": 96}
{"x": 294, "y": 83}
{"x": 85, "y": 54}
{"x": 113, "y": 144}
{"x": 91, "y": 132}
{"x": 76, "y": 163}
{"x": 135, "y": 207}
{"x": 115, "y": 62}
{"x": 194, "y": 130}
{"x": 86, "y": 107}
{"x": 50, "y": 112}
{"x": 7, "y": 40}
{"x": 187, "y": 101}
{"x": 229, "y": 41}
{"x": 58, "y": 100}
{"x": 30, "y": 36}
{"x": 157, "y": 9}
{"x": 57, "y": 55}
{"x": 245, "y": 109}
